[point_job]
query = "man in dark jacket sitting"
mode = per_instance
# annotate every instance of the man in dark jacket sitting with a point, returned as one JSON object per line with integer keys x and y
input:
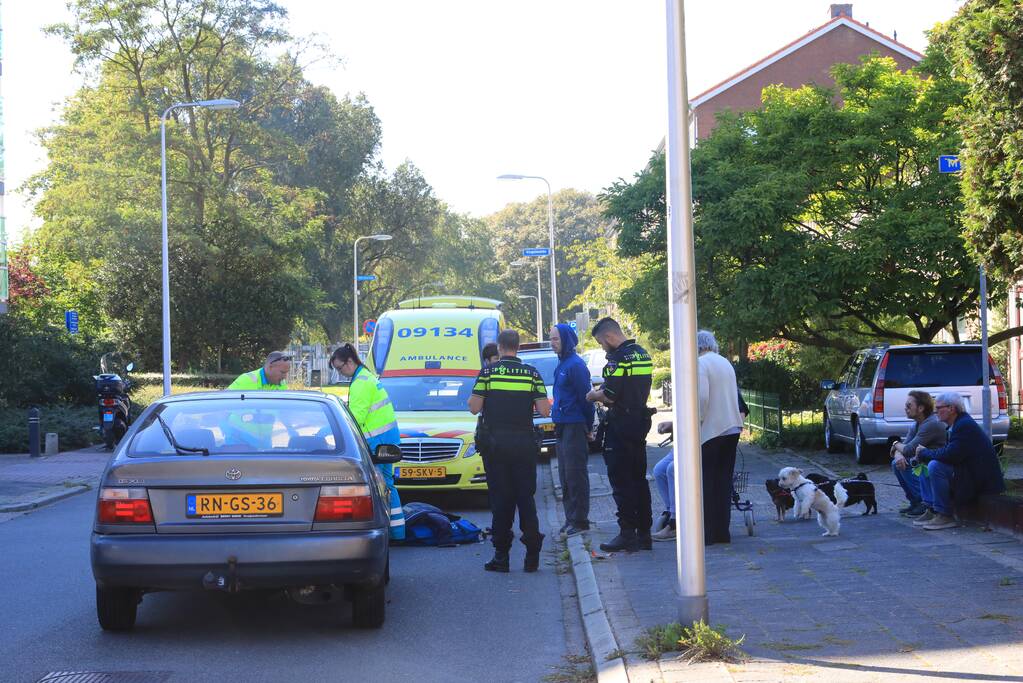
{"x": 967, "y": 464}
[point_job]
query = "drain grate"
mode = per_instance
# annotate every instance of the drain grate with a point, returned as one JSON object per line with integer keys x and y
{"x": 105, "y": 677}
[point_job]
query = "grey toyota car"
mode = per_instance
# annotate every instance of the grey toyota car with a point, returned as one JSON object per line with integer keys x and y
{"x": 864, "y": 407}
{"x": 231, "y": 491}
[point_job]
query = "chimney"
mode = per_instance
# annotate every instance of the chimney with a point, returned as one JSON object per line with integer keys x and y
{"x": 841, "y": 10}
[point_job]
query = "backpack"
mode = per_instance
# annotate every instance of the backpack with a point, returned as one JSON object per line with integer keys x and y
{"x": 429, "y": 525}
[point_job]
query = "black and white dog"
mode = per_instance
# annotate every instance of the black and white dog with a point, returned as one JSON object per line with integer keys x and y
{"x": 847, "y": 492}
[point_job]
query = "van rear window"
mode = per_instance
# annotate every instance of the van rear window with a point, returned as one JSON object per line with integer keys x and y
{"x": 933, "y": 368}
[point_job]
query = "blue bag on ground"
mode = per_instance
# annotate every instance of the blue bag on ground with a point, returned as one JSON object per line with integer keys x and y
{"x": 426, "y": 524}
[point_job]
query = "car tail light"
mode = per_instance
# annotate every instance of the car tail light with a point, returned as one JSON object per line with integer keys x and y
{"x": 344, "y": 504}
{"x": 1003, "y": 401}
{"x": 124, "y": 506}
{"x": 879, "y": 386}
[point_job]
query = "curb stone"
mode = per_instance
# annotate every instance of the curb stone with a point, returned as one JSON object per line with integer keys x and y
{"x": 599, "y": 636}
{"x": 45, "y": 500}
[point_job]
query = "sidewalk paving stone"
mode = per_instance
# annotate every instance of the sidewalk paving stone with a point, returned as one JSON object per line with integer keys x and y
{"x": 27, "y": 482}
{"x": 883, "y": 601}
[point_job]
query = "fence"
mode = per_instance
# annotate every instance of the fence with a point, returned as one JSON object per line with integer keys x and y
{"x": 789, "y": 427}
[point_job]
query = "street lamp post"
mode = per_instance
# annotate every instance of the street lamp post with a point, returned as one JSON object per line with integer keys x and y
{"x": 355, "y": 282}
{"x": 539, "y": 304}
{"x": 690, "y": 562}
{"x": 539, "y": 325}
{"x": 206, "y": 104}
{"x": 550, "y": 234}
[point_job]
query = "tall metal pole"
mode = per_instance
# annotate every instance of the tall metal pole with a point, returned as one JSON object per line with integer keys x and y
{"x": 550, "y": 232}
{"x": 355, "y": 291}
{"x": 985, "y": 394}
{"x": 690, "y": 561}
{"x": 539, "y": 307}
{"x": 165, "y": 268}
{"x": 4, "y": 282}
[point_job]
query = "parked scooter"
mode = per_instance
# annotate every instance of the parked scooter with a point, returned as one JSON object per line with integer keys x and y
{"x": 114, "y": 403}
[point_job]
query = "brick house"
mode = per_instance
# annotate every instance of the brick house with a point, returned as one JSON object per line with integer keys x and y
{"x": 803, "y": 61}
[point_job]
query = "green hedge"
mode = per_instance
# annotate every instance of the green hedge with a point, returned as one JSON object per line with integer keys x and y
{"x": 73, "y": 424}
{"x": 205, "y": 381}
{"x": 660, "y": 376}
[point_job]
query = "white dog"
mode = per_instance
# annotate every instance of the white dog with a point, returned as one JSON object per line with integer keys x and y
{"x": 808, "y": 497}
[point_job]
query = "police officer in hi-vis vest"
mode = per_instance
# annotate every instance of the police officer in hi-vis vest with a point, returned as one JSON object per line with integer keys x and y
{"x": 506, "y": 393}
{"x": 371, "y": 407}
{"x": 625, "y": 392}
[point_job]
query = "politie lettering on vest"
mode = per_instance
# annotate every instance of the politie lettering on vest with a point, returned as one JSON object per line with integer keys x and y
{"x": 371, "y": 407}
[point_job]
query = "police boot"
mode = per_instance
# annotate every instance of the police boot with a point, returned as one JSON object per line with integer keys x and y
{"x": 499, "y": 563}
{"x": 645, "y": 540}
{"x": 625, "y": 540}
{"x": 532, "y": 562}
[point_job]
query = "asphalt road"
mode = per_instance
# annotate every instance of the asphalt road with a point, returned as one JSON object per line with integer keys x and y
{"x": 447, "y": 620}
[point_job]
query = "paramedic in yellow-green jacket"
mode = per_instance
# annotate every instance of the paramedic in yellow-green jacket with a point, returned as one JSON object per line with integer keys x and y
{"x": 257, "y": 429}
{"x": 371, "y": 407}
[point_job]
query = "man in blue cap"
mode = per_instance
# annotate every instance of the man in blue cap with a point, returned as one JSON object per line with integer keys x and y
{"x": 572, "y": 415}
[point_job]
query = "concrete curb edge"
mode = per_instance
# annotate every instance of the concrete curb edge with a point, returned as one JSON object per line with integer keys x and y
{"x": 604, "y": 650}
{"x": 45, "y": 500}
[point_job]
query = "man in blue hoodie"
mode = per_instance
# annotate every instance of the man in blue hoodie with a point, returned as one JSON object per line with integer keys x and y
{"x": 572, "y": 415}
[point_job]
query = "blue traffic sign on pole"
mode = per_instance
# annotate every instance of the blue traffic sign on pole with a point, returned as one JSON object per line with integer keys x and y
{"x": 949, "y": 163}
{"x": 536, "y": 251}
{"x": 369, "y": 326}
{"x": 571, "y": 323}
{"x": 71, "y": 321}
{"x": 366, "y": 278}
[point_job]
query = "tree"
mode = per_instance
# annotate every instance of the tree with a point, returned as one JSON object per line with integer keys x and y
{"x": 251, "y": 191}
{"x": 819, "y": 216}
{"x": 577, "y": 220}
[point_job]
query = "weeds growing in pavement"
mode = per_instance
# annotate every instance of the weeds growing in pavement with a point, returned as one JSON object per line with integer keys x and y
{"x": 1006, "y": 581}
{"x": 1004, "y": 618}
{"x": 615, "y": 654}
{"x": 576, "y": 669}
{"x": 698, "y": 643}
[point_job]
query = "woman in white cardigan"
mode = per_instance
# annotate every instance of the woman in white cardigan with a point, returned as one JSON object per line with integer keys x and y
{"x": 720, "y": 425}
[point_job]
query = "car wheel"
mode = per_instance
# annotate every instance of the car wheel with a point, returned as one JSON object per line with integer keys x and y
{"x": 368, "y": 606}
{"x": 864, "y": 451}
{"x": 116, "y": 608}
{"x": 830, "y": 442}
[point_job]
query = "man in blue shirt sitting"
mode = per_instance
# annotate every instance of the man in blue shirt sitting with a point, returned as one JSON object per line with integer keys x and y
{"x": 966, "y": 466}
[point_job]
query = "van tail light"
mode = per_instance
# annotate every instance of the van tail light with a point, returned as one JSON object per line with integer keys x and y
{"x": 879, "y": 386}
{"x": 124, "y": 506}
{"x": 1003, "y": 401}
{"x": 344, "y": 504}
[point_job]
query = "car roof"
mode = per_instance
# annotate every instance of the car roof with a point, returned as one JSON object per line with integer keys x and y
{"x": 284, "y": 395}
{"x": 899, "y": 347}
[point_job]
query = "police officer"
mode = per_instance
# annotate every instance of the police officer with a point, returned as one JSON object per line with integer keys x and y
{"x": 625, "y": 391}
{"x": 506, "y": 393}
{"x": 271, "y": 376}
{"x": 371, "y": 407}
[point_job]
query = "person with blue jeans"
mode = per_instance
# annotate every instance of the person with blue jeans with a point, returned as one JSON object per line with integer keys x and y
{"x": 572, "y": 415}
{"x": 962, "y": 470}
{"x": 926, "y": 430}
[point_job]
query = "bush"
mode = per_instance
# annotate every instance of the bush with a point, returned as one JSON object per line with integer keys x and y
{"x": 41, "y": 366}
{"x": 794, "y": 388}
{"x": 73, "y": 424}
{"x": 660, "y": 376}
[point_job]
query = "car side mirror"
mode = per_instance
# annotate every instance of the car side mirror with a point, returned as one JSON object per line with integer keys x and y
{"x": 387, "y": 453}
{"x": 827, "y": 384}
{"x": 130, "y": 367}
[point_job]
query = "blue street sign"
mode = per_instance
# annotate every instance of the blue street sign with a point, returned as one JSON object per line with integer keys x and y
{"x": 369, "y": 325}
{"x": 571, "y": 323}
{"x": 536, "y": 251}
{"x": 366, "y": 278}
{"x": 71, "y": 321}
{"x": 948, "y": 163}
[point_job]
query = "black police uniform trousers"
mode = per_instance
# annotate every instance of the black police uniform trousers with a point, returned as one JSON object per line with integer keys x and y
{"x": 510, "y": 459}
{"x": 625, "y": 457}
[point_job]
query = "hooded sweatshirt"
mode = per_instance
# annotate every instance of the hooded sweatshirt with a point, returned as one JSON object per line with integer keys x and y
{"x": 571, "y": 383}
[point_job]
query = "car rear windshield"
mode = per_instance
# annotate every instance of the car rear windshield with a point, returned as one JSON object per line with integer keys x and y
{"x": 429, "y": 393}
{"x": 911, "y": 368}
{"x": 231, "y": 426}
{"x": 545, "y": 364}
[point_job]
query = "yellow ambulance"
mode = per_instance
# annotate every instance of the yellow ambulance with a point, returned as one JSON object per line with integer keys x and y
{"x": 427, "y": 355}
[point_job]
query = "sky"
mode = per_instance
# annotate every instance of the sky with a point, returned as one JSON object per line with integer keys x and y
{"x": 467, "y": 90}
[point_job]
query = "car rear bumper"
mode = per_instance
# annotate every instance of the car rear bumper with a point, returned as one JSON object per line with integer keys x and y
{"x": 180, "y": 562}
{"x": 878, "y": 432}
